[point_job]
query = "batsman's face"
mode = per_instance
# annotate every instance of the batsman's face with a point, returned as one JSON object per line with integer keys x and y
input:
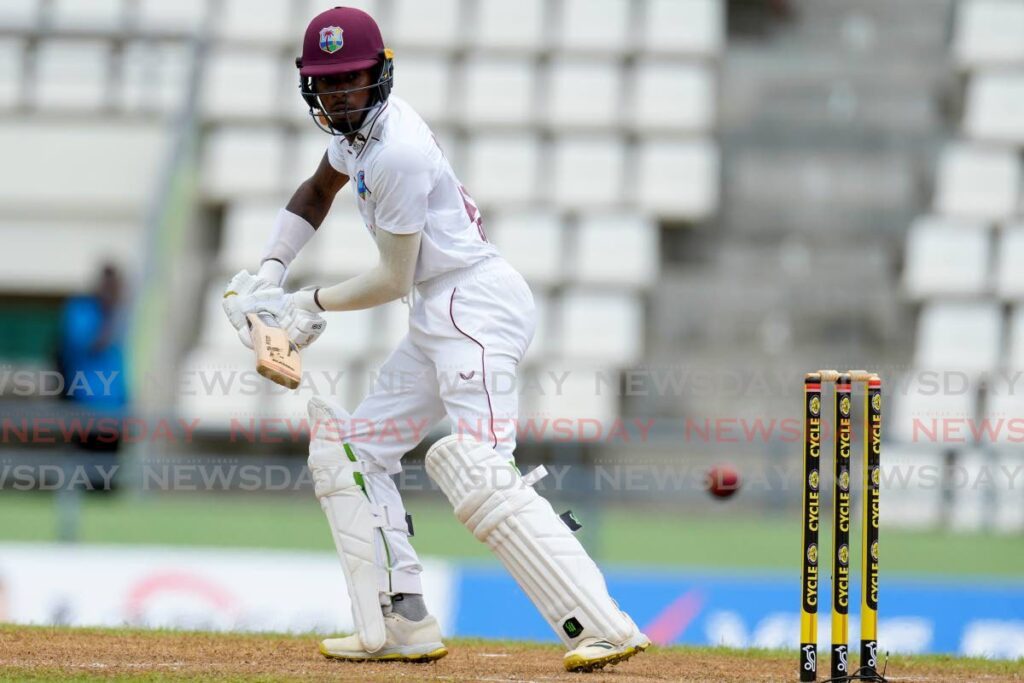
{"x": 342, "y": 94}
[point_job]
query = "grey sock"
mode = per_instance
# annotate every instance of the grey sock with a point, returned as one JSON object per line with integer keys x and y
{"x": 409, "y": 605}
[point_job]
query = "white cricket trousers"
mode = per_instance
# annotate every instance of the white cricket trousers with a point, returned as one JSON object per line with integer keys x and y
{"x": 468, "y": 331}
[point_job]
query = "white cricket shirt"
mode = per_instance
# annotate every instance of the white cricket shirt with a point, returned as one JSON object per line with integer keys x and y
{"x": 404, "y": 183}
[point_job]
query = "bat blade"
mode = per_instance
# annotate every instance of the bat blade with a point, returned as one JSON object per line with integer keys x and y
{"x": 277, "y": 358}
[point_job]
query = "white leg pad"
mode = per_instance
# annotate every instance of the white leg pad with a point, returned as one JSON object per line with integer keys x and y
{"x": 338, "y": 484}
{"x": 536, "y": 547}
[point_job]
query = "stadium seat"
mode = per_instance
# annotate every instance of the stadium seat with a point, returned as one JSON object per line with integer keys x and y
{"x": 1009, "y": 513}
{"x": 600, "y": 26}
{"x": 503, "y": 168}
{"x": 1009, "y": 274}
{"x": 677, "y": 179}
{"x": 307, "y": 153}
{"x": 684, "y": 26}
{"x": 243, "y": 162}
{"x": 1015, "y": 353}
{"x": 350, "y": 335}
{"x": 221, "y": 390}
{"x": 435, "y": 24}
{"x": 247, "y": 226}
{"x": 989, "y": 32}
{"x": 960, "y": 336}
{"x": 258, "y": 24}
{"x": 423, "y": 80}
{"x": 971, "y": 508}
{"x": 978, "y": 182}
{"x": 33, "y": 265}
{"x": 19, "y": 15}
{"x": 342, "y": 246}
{"x": 12, "y": 51}
{"x": 514, "y": 26}
{"x": 587, "y": 172}
{"x": 583, "y": 93}
{"x": 242, "y": 85}
{"x": 154, "y": 77}
{"x": 672, "y": 96}
{"x": 946, "y": 257}
{"x": 910, "y": 487}
{"x": 71, "y": 75}
{"x": 603, "y": 327}
{"x": 94, "y": 15}
{"x": 180, "y": 16}
{"x": 1003, "y": 426}
{"x": 932, "y": 409}
{"x": 498, "y": 91}
{"x": 995, "y": 106}
{"x": 565, "y": 392}
{"x": 104, "y": 166}
{"x": 533, "y": 242}
{"x": 615, "y": 249}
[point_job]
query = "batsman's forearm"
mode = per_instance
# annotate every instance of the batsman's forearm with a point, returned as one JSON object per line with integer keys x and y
{"x": 310, "y": 202}
{"x": 366, "y": 290}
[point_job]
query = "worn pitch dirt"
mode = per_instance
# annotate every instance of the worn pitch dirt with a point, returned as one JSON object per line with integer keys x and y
{"x": 94, "y": 654}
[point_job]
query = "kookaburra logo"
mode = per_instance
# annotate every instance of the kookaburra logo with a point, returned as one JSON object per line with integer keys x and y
{"x": 811, "y": 654}
{"x": 872, "y": 654}
{"x": 842, "y": 659}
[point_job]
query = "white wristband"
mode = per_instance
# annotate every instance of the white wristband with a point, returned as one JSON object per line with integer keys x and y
{"x": 290, "y": 233}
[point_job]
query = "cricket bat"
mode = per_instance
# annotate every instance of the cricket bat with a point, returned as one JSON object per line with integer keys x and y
{"x": 277, "y": 358}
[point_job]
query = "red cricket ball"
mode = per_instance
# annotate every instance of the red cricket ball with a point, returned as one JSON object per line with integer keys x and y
{"x": 722, "y": 481}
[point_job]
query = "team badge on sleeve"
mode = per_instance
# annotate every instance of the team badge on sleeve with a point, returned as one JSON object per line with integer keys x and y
{"x": 361, "y": 185}
{"x": 331, "y": 39}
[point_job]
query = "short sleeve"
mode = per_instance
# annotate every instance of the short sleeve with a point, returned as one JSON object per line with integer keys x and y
{"x": 336, "y": 156}
{"x": 401, "y": 182}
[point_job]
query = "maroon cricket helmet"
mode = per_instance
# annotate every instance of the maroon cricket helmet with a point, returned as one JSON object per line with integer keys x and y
{"x": 338, "y": 41}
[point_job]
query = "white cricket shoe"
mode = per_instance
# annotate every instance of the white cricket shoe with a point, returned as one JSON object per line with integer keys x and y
{"x": 596, "y": 653}
{"x": 407, "y": 641}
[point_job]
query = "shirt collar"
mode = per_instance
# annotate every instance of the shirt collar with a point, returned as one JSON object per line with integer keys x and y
{"x": 370, "y": 131}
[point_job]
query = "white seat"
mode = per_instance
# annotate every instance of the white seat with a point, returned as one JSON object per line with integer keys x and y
{"x": 932, "y": 409}
{"x": 678, "y": 179}
{"x": 514, "y": 26}
{"x": 565, "y": 392}
{"x": 19, "y": 14}
{"x": 616, "y": 249}
{"x": 583, "y": 93}
{"x": 247, "y": 227}
{"x": 180, "y": 16}
{"x": 977, "y": 182}
{"x": 424, "y": 81}
{"x": 684, "y": 26}
{"x": 1004, "y": 406}
{"x": 605, "y": 327}
{"x": 587, "y": 172}
{"x": 497, "y": 91}
{"x": 995, "y": 106}
{"x": 350, "y": 335}
{"x": 1015, "y": 352}
{"x": 946, "y": 256}
{"x": 33, "y": 264}
{"x": 600, "y": 26}
{"x": 971, "y": 509}
{"x": 220, "y": 389}
{"x": 258, "y": 23}
{"x": 673, "y": 96}
{"x": 533, "y": 242}
{"x": 240, "y": 161}
{"x": 103, "y": 165}
{"x": 308, "y": 152}
{"x": 241, "y": 85}
{"x": 909, "y": 490}
{"x": 72, "y": 75}
{"x": 1010, "y": 256}
{"x": 1009, "y": 512}
{"x": 503, "y": 168}
{"x": 436, "y": 24}
{"x": 94, "y": 15}
{"x": 154, "y": 77}
{"x": 342, "y": 246}
{"x": 960, "y": 336}
{"x": 12, "y": 54}
{"x": 989, "y": 32}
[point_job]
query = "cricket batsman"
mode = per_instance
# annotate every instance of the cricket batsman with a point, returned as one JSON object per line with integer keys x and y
{"x": 471, "y": 319}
